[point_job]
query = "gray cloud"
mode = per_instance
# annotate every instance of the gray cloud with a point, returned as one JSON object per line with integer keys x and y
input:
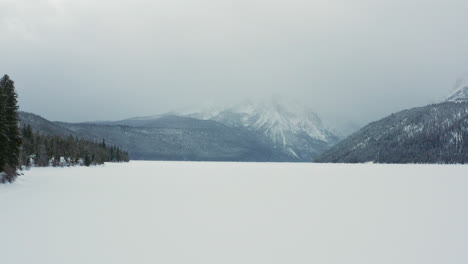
{"x": 86, "y": 60}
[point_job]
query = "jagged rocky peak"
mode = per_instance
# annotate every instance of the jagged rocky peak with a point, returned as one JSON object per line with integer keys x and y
{"x": 288, "y": 125}
{"x": 273, "y": 116}
{"x": 460, "y": 90}
{"x": 277, "y": 117}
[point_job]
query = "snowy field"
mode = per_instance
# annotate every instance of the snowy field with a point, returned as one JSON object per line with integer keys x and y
{"x": 239, "y": 213}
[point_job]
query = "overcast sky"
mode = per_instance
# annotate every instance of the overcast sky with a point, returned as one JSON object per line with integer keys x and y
{"x": 78, "y": 60}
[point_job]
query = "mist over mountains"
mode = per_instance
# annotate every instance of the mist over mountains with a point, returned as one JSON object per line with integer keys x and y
{"x": 459, "y": 92}
{"x": 289, "y": 126}
{"x": 282, "y": 131}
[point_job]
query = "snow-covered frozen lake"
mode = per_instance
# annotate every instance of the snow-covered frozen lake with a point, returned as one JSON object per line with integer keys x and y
{"x": 220, "y": 213}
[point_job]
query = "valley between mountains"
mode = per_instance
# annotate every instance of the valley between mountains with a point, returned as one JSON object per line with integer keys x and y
{"x": 275, "y": 131}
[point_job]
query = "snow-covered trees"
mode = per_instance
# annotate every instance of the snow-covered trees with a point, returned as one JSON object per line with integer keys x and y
{"x": 10, "y": 139}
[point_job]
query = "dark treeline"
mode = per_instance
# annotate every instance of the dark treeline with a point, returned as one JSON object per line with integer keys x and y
{"x": 24, "y": 148}
{"x": 10, "y": 140}
{"x": 45, "y": 150}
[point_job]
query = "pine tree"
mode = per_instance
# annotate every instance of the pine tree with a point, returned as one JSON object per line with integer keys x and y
{"x": 11, "y": 121}
{"x": 87, "y": 160}
{"x": 3, "y": 129}
{"x": 10, "y": 140}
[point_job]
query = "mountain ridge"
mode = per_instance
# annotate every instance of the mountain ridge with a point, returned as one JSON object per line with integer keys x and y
{"x": 168, "y": 138}
{"x": 436, "y": 133}
{"x": 292, "y": 127}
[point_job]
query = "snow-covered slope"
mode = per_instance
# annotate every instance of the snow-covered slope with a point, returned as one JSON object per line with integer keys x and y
{"x": 460, "y": 91}
{"x": 289, "y": 125}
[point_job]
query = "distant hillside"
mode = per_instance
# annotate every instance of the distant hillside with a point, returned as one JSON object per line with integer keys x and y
{"x": 168, "y": 138}
{"x": 180, "y": 138}
{"x": 431, "y": 134}
{"x": 44, "y": 126}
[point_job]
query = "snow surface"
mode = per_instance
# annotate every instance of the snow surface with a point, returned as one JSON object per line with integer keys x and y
{"x": 197, "y": 212}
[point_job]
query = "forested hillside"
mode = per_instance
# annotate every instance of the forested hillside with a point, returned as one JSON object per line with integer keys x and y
{"x": 182, "y": 138}
{"x": 431, "y": 134}
{"x": 168, "y": 138}
{"x": 47, "y": 145}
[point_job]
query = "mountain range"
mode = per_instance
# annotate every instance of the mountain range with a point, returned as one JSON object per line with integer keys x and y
{"x": 274, "y": 130}
{"x": 288, "y": 126}
{"x": 264, "y": 131}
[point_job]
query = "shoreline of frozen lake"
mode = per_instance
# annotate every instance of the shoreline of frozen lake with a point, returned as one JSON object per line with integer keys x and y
{"x": 203, "y": 212}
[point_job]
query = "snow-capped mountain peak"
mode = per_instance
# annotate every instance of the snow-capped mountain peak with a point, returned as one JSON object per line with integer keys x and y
{"x": 273, "y": 116}
{"x": 278, "y": 118}
{"x": 288, "y": 124}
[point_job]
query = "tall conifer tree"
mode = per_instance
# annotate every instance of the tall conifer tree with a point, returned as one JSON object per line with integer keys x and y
{"x": 3, "y": 128}
{"x": 11, "y": 116}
